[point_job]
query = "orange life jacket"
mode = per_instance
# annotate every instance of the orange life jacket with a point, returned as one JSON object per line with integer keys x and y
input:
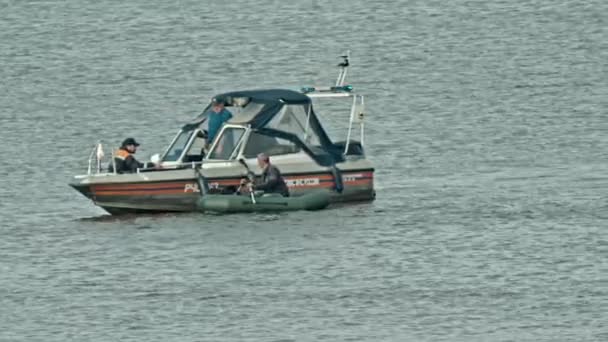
{"x": 122, "y": 154}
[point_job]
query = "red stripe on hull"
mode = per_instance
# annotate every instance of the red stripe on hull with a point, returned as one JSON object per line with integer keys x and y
{"x": 138, "y": 186}
{"x": 188, "y": 187}
{"x": 140, "y": 193}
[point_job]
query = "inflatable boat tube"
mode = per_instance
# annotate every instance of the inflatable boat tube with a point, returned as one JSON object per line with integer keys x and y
{"x": 270, "y": 202}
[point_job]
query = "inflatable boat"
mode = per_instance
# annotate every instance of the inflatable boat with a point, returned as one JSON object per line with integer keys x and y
{"x": 271, "y": 202}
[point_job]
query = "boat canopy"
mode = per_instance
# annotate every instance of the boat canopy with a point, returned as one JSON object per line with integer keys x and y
{"x": 275, "y": 109}
{"x": 268, "y": 102}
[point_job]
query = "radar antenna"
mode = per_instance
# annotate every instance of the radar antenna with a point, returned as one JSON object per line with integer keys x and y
{"x": 343, "y": 69}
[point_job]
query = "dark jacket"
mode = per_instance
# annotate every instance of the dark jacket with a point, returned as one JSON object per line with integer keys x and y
{"x": 125, "y": 162}
{"x": 273, "y": 182}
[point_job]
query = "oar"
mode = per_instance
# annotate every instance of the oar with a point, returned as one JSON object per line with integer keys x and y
{"x": 252, "y": 195}
{"x": 249, "y": 173}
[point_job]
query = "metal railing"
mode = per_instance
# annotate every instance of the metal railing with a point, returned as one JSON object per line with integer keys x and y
{"x": 96, "y": 156}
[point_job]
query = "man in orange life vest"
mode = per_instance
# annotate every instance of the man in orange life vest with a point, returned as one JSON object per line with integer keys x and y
{"x": 123, "y": 157}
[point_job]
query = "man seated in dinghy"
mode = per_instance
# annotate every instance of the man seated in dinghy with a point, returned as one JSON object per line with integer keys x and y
{"x": 271, "y": 183}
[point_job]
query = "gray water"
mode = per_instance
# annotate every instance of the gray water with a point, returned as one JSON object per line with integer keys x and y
{"x": 487, "y": 124}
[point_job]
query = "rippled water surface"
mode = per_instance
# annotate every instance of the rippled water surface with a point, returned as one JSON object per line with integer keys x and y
{"x": 487, "y": 124}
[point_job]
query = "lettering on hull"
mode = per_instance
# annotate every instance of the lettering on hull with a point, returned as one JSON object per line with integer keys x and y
{"x": 296, "y": 182}
{"x": 303, "y": 182}
{"x": 191, "y": 187}
{"x": 351, "y": 178}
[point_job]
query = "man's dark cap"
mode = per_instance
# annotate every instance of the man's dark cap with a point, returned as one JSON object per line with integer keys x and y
{"x": 219, "y": 100}
{"x": 129, "y": 141}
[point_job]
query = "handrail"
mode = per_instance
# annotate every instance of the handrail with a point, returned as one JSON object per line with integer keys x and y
{"x": 96, "y": 153}
{"x": 91, "y": 159}
{"x": 188, "y": 165}
{"x": 350, "y": 124}
{"x": 361, "y": 122}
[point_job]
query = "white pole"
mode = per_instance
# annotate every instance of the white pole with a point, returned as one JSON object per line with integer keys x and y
{"x": 362, "y": 134}
{"x": 343, "y": 76}
{"x": 307, "y": 122}
{"x": 114, "y": 162}
{"x": 339, "y": 80}
{"x": 362, "y": 123}
{"x": 90, "y": 159}
{"x": 98, "y": 156}
{"x": 350, "y": 123}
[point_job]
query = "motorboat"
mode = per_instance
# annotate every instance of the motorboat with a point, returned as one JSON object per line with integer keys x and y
{"x": 280, "y": 123}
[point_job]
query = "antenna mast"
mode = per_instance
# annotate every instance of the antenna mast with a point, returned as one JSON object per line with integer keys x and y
{"x": 343, "y": 69}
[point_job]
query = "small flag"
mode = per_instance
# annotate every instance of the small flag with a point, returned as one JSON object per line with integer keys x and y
{"x": 99, "y": 152}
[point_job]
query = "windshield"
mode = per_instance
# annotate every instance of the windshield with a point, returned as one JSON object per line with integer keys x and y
{"x": 336, "y": 124}
{"x": 227, "y": 143}
{"x": 245, "y": 113}
{"x": 271, "y": 146}
{"x": 177, "y": 148}
{"x": 295, "y": 119}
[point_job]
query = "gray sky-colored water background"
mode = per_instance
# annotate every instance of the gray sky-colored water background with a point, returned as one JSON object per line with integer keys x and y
{"x": 487, "y": 123}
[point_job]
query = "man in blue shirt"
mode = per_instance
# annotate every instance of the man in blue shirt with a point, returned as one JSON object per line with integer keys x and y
{"x": 217, "y": 116}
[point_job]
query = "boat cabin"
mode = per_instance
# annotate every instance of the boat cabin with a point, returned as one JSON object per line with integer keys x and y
{"x": 276, "y": 122}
